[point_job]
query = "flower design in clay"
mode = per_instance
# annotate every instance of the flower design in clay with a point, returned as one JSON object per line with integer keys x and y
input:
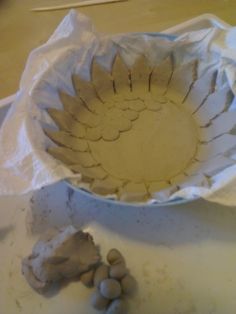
{"x": 112, "y": 122}
{"x": 143, "y": 131}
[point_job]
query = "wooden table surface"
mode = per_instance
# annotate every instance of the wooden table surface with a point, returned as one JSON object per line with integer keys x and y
{"x": 22, "y": 30}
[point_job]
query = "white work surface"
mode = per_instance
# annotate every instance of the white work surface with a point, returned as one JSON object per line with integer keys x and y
{"x": 183, "y": 257}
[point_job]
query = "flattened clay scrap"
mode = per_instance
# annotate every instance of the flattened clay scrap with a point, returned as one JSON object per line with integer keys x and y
{"x": 133, "y": 192}
{"x": 201, "y": 88}
{"x": 71, "y": 157}
{"x": 91, "y": 173}
{"x": 161, "y": 76}
{"x": 214, "y": 105}
{"x": 86, "y": 91}
{"x": 65, "y": 139}
{"x": 65, "y": 255}
{"x": 107, "y": 186}
{"x": 103, "y": 82}
{"x": 181, "y": 81}
{"x": 120, "y": 75}
{"x": 157, "y": 186}
{"x": 98, "y": 301}
{"x": 140, "y": 73}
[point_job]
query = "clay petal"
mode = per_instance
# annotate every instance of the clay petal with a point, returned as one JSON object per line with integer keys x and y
{"x": 85, "y": 90}
{"x": 133, "y": 192}
{"x": 71, "y": 104}
{"x": 122, "y": 124}
{"x": 93, "y": 134}
{"x": 65, "y": 139}
{"x": 110, "y": 133}
{"x": 137, "y": 105}
{"x": 120, "y": 75}
{"x": 61, "y": 118}
{"x": 181, "y": 81}
{"x": 71, "y": 157}
{"x": 160, "y": 76}
{"x": 107, "y": 186}
{"x": 201, "y": 88}
{"x": 131, "y": 114}
{"x": 102, "y": 82}
{"x": 140, "y": 73}
{"x": 78, "y": 130}
{"x": 89, "y": 173}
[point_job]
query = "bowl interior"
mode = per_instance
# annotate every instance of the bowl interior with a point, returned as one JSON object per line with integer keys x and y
{"x": 140, "y": 133}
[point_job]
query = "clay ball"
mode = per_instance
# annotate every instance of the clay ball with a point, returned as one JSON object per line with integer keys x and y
{"x": 100, "y": 274}
{"x": 118, "y": 271}
{"x": 128, "y": 284}
{"x": 114, "y": 257}
{"x": 118, "y": 306}
{"x": 110, "y": 288}
{"x": 98, "y": 301}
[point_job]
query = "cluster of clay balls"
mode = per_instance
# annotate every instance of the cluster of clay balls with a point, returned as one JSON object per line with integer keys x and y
{"x": 113, "y": 284}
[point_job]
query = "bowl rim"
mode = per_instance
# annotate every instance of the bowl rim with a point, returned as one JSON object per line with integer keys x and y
{"x": 100, "y": 198}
